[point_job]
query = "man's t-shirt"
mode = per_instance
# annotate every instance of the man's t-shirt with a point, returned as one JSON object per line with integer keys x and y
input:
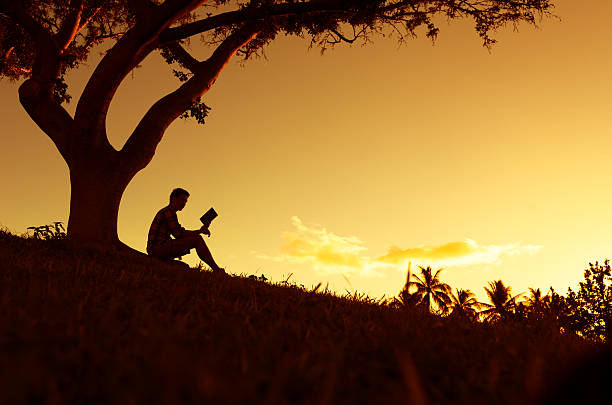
{"x": 164, "y": 224}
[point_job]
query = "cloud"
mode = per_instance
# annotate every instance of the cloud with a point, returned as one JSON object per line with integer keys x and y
{"x": 331, "y": 253}
{"x": 456, "y": 253}
{"x": 325, "y": 247}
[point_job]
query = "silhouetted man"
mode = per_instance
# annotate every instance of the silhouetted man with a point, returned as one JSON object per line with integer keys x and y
{"x": 165, "y": 223}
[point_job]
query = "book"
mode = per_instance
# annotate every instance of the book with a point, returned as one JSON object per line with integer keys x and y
{"x": 207, "y": 218}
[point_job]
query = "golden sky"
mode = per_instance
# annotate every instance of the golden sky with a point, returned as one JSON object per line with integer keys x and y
{"x": 341, "y": 168}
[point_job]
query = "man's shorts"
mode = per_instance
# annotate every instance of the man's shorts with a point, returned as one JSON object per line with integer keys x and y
{"x": 172, "y": 248}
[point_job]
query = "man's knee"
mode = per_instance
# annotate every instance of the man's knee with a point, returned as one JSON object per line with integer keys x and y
{"x": 195, "y": 239}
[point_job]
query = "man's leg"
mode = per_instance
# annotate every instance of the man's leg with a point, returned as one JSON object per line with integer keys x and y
{"x": 204, "y": 253}
{"x": 181, "y": 246}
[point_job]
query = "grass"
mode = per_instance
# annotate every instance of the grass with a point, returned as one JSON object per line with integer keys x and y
{"x": 80, "y": 328}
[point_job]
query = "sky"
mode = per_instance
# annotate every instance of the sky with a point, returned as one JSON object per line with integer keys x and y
{"x": 344, "y": 167}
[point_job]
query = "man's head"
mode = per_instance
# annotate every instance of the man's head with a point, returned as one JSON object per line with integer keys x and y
{"x": 178, "y": 198}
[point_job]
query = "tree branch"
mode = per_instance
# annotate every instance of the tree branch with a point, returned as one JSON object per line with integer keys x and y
{"x": 141, "y": 8}
{"x": 395, "y": 10}
{"x": 348, "y": 40}
{"x": 46, "y": 67}
{"x": 50, "y": 116}
{"x": 70, "y": 26}
{"x": 140, "y": 147}
{"x": 249, "y": 15}
{"x": 20, "y": 16}
{"x": 86, "y": 21}
{"x": 35, "y": 94}
{"x": 128, "y": 52}
{"x": 183, "y": 57}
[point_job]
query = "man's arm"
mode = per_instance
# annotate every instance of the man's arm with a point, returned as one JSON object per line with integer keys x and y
{"x": 175, "y": 228}
{"x": 179, "y": 232}
{"x": 203, "y": 230}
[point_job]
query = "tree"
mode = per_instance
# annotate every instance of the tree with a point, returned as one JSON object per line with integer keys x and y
{"x": 435, "y": 294}
{"x": 535, "y": 298}
{"x": 41, "y": 40}
{"x": 590, "y": 309}
{"x": 407, "y": 299}
{"x": 537, "y": 305}
{"x": 502, "y": 302}
{"x": 464, "y": 304}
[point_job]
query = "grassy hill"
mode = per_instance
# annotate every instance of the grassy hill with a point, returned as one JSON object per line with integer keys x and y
{"x": 81, "y": 328}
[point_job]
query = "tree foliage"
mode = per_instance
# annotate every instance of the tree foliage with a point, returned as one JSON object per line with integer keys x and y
{"x": 586, "y": 312}
{"x": 464, "y": 304}
{"x": 435, "y": 295}
{"x": 502, "y": 303}
{"x": 406, "y": 298}
{"x": 590, "y": 308}
{"x": 24, "y": 22}
{"x": 325, "y": 22}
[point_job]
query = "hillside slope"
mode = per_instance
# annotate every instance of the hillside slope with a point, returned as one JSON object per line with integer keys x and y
{"x": 80, "y": 328}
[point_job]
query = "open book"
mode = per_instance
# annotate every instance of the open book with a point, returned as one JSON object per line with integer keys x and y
{"x": 207, "y": 218}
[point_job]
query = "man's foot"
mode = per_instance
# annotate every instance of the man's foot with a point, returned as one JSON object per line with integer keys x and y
{"x": 219, "y": 270}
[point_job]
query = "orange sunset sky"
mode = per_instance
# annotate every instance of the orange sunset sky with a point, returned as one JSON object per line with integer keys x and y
{"x": 341, "y": 168}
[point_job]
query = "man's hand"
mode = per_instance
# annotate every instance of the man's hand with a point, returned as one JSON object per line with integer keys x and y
{"x": 204, "y": 230}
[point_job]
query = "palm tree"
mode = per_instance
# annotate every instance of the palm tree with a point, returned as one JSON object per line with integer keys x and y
{"x": 537, "y": 304}
{"x": 502, "y": 302}
{"x": 434, "y": 293}
{"x": 405, "y": 298}
{"x": 465, "y": 304}
{"x": 536, "y": 299}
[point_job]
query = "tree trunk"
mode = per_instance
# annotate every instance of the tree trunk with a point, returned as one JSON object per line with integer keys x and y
{"x": 97, "y": 184}
{"x": 94, "y": 206}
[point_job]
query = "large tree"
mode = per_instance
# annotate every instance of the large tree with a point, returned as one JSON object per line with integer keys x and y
{"x": 41, "y": 40}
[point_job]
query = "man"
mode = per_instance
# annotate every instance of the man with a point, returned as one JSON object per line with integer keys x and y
{"x": 165, "y": 223}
